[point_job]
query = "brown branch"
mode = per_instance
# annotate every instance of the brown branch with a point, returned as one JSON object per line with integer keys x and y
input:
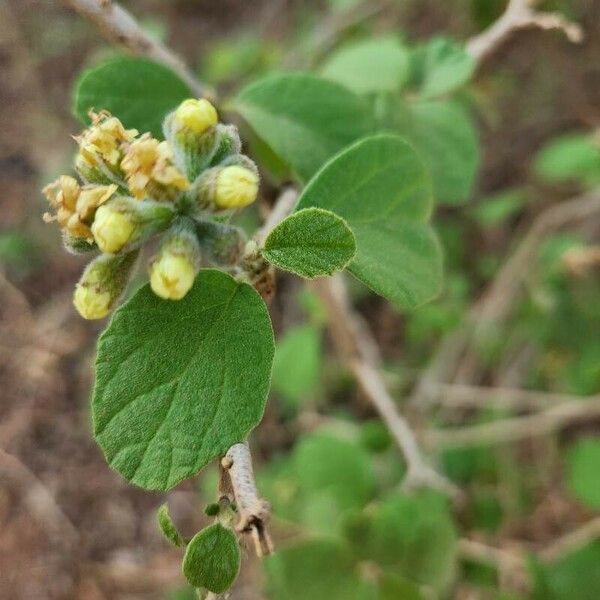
{"x": 254, "y": 512}
{"x": 519, "y": 14}
{"x": 517, "y": 428}
{"x": 571, "y": 541}
{"x": 120, "y": 27}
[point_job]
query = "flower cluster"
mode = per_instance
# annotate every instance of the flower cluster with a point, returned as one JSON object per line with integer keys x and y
{"x": 132, "y": 187}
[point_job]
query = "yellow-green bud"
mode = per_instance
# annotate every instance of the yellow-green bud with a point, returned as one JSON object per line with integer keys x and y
{"x": 196, "y": 115}
{"x": 235, "y": 187}
{"x": 91, "y": 303}
{"x": 102, "y": 283}
{"x": 172, "y": 276}
{"x": 112, "y": 229}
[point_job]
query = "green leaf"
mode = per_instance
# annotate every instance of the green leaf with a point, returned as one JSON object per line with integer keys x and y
{"x": 381, "y": 188}
{"x": 574, "y": 156}
{"x": 393, "y": 587}
{"x": 168, "y": 527}
{"x": 369, "y": 66}
{"x": 311, "y": 243}
{"x": 445, "y": 66}
{"x": 138, "y": 91}
{"x": 499, "y": 207}
{"x": 414, "y": 536}
{"x": 583, "y": 470}
{"x": 297, "y": 364}
{"x": 444, "y": 136}
{"x": 324, "y": 463}
{"x": 304, "y": 119}
{"x": 320, "y": 569}
{"x": 177, "y": 383}
{"x": 212, "y": 559}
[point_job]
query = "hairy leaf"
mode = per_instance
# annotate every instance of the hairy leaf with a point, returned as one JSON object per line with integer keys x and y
{"x": 381, "y": 188}
{"x": 168, "y": 527}
{"x": 369, "y": 66}
{"x": 303, "y": 118}
{"x": 311, "y": 243}
{"x": 212, "y": 559}
{"x": 138, "y": 91}
{"x": 177, "y": 383}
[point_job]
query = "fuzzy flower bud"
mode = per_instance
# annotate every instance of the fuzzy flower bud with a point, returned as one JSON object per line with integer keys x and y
{"x": 123, "y": 222}
{"x": 101, "y": 284}
{"x": 196, "y": 115}
{"x": 235, "y": 187}
{"x": 173, "y": 271}
{"x": 149, "y": 170}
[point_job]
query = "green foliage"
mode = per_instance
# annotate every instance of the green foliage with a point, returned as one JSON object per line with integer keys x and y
{"x": 136, "y": 90}
{"x": 369, "y": 66}
{"x": 442, "y": 66}
{"x": 444, "y": 136}
{"x": 297, "y": 365}
{"x": 382, "y": 190}
{"x": 583, "y": 471}
{"x": 177, "y": 383}
{"x": 412, "y": 536}
{"x": 303, "y": 118}
{"x": 168, "y": 527}
{"x": 311, "y": 243}
{"x": 324, "y": 463}
{"x": 375, "y": 436}
{"x": 212, "y": 559}
{"x": 320, "y": 569}
{"x": 570, "y": 157}
{"x": 393, "y": 587}
{"x": 498, "y": 208}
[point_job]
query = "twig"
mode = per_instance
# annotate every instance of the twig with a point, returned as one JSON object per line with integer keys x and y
{"x": 120, "y": 27}
{"x": 254, "y": 512}
{"x": 519, "y": 14}
{"x": 517, "y": 428}
{"x": 571, "y": 541}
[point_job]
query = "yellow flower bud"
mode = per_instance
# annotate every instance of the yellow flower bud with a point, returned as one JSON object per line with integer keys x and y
{"x": 112, "y": 229}
{"x": 90, "y": 302}
{"x": 172, "y": 276}
{"x": 235, "y": 187}
{"x": 196, "y": 115}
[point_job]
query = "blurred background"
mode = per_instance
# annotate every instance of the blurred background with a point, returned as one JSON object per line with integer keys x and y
{"x": 522, "y": 259}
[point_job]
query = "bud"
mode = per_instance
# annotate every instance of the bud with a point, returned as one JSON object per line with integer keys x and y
{"x": 150, "y": 172}
{"x": 173, "y": 270}
{"x": 235, "y": 187}
{"x": 102, "y": 283}
{"x": 196, "y": 115}
{"x": 221, "y": 243}
{"x": 123, "y": 222}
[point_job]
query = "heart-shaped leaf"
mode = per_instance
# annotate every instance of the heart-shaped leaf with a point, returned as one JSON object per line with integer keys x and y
{"x": 212, "y": 559}
{"x": 177, "y": 383}
{"x": 311, "y": 243}
{"x": 381, "y": 188}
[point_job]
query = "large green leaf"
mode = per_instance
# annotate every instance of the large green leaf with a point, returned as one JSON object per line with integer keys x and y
{"x": 381, "y": 188}
{"x": 583, "y": 471}
{"x": 369, "y": 66}
{"x": 177, "y": 383}
{"x": 444, "y": 136}
{"x": 303, "y": 118}
{"x": 212, "y": 559}
{"x": 137, "y": 90}
{"x": 311, "y": 243}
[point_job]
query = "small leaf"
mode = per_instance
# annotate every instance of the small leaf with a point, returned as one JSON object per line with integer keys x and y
{"x": 212, "y": 559}
{"x": 138, "y": 91}
{"x": 311, "y": 243}
{"x": 444, "y": 65}
{"x": 381, "y": 188}
{"x": 168, "y": 527}
{"x": 304, "y": 119}
{"x": 369, "y": 66}
{"x": 583, "y": 471}
{"x": 179, "y": 382}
